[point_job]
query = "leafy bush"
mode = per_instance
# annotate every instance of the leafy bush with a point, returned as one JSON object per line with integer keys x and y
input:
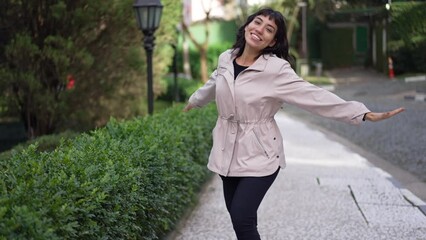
{"x": 128, "y": 180}
{"x": 407, "y": 45}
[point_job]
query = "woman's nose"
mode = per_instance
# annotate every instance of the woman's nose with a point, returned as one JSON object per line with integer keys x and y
{"x": 259, "y": 29}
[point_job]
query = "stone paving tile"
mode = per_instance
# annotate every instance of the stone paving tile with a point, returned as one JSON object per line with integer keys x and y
{"x": 346, "y": 231}
{"x": 413, "y": 199}
{"x": 393, "y": 216}
{"x": 209, "y": 220}
{"x": 380, "y": 193}
{"x": 399, "y": 233}
{"x": 369, "y": 190}
{"x": 310, "y": 212}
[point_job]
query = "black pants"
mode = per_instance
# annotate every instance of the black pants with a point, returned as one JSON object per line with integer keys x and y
{"x": 243, "y": 196}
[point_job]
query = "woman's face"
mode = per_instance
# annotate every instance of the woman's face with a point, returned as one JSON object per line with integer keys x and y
{"x": 260, "y": 33}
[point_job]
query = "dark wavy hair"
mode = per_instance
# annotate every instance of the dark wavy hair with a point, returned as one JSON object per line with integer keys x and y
{"x": 281, "y": 45}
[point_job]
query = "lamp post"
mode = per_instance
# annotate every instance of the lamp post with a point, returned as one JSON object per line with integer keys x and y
{"x": 304, "y": 66}
{"x": 148, "y": 15}
{"x": 303, "y": 5}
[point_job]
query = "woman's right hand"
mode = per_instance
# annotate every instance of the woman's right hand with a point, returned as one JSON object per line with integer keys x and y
{"x": 188, "y": 107}
{"x": 375, "y": 117}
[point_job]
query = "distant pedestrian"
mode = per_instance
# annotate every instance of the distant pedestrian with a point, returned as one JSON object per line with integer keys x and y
{"x": 251, "y": 83}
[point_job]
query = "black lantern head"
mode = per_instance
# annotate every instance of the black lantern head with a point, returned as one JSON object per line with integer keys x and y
{"x": 148, "y": 14}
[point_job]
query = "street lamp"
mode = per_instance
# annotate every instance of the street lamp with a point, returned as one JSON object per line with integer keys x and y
{"x": 148, "y": 15}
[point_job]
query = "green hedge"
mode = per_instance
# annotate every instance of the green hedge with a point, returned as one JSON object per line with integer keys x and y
{"x": 128, "y": 180}
{"x": 44, "y": 143}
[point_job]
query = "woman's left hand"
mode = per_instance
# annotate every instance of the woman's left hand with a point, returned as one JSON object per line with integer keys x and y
{"x": 374, "y": 117}
{"x": 188, "y": 107}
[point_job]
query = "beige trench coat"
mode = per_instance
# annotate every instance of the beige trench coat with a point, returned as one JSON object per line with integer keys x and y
{"x": 246, "y": 138}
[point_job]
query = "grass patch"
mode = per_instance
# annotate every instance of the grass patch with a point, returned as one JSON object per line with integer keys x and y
{"x": 321, "y": 80}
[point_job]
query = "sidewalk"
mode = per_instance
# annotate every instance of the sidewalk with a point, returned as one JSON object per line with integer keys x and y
{"x": 326, "y": 192}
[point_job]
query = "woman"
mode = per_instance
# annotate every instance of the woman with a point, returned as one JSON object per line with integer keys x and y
{"x": 250, "y": 84}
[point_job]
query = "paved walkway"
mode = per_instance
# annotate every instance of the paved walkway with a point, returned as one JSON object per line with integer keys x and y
{"x": 327, "y": 192}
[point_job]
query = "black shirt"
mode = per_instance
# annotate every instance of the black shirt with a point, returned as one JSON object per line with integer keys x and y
{"x": 238, "y": 68}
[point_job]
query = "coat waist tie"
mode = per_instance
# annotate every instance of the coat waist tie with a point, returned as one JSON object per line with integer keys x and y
{"x": 231, "y": 119}
{"x": 232, "y": 126}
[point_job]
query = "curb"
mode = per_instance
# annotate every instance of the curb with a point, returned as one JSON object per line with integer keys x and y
{"x": 415, "y": 78}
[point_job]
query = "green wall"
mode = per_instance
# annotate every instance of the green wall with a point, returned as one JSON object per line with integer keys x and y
{"x": 336, "y": 47}
{"x": 361, "y": 45}
{"x": 220, "y": 32}
{"x": 380, "y": 57}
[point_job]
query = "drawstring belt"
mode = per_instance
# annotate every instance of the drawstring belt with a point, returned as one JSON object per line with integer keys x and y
{"x": 231, "y": 119}
{"x": 234, "y": 125}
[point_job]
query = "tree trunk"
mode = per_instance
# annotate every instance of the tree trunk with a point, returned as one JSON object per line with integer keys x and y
{"x": 292, "y": 23}
{"x": 203, "y": 65}
{"x": 201, "y": 47}
{"x": 186, "y": 58}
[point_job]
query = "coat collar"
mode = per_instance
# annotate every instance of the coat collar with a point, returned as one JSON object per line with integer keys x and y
{"x": 258, "y": 65}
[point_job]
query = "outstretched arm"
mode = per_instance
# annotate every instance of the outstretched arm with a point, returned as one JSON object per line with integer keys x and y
{"x": 294, "y": 90}
{"x": 188, "y": 107}
{"x": 375, "y": 117}
{"x": 203, "y": 95}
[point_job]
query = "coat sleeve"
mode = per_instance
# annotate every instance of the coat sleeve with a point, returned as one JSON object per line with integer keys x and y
{"x": 206, "y": 93}
{"x": 294, "y": 90}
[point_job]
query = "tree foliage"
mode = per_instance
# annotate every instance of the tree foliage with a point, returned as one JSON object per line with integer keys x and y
{"x": 95, "y": 41}
{"x": 407, "y": 36}
{"x": 291, "y": 10}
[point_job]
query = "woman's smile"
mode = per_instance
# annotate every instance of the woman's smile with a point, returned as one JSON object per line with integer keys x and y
{"x": 255, "y": 37}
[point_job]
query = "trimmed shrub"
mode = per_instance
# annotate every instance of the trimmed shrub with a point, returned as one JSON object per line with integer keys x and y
{"x": 44, "y": 143}
{"x": 128, "y": 180}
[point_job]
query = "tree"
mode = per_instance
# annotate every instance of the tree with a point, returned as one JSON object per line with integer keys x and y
{"x": 203, "y": 46}
{"x": 243, "y": 9}
{"x": 38, "y": 56}
{"x": 97, "y": 43}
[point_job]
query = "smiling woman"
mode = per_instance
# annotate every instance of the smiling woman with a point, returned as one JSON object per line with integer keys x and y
{"x": 250, "y": 84}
